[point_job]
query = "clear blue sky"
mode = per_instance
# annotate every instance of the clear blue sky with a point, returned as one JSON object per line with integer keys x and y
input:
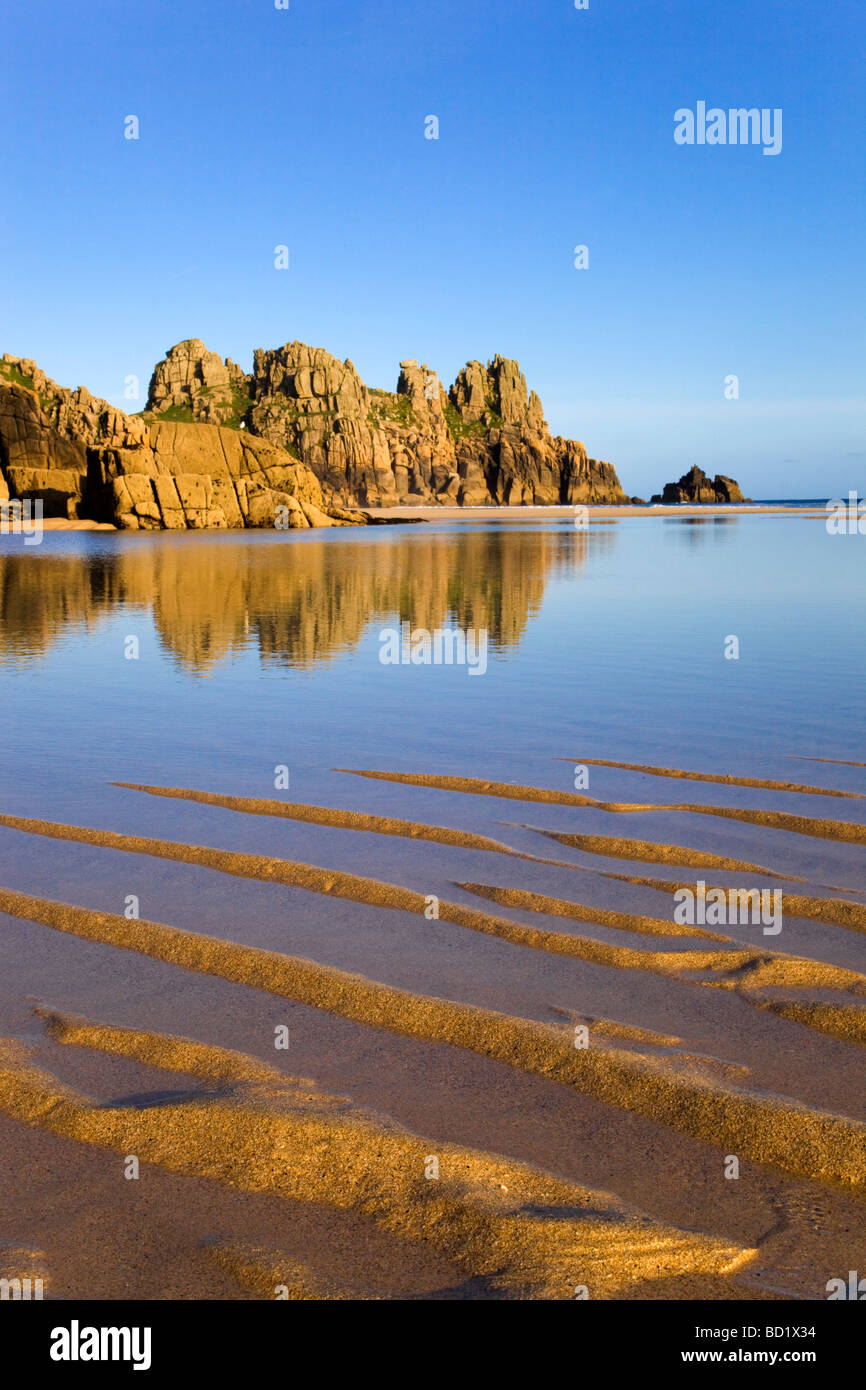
{"x": 305, "y": 127}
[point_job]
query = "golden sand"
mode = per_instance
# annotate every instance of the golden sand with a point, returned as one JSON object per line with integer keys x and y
{"x": 339, "y": 819}
{"x": 601, "y": 916}
{"x": 509, "y": 1229}
{"x": 270, "y": 1275}
{"x": 846, "y": 832}
{"x": 647, "y": 851}
{"x": 773, "y": 1130}
{"x": 654, "y": 852}
{"x": 530, "y": 1233}
{"x": 628, "y": 1032}
{"x": 722, "y": 778}
{"x": 844, "y": 1021}
{"x": 726, "y": 967}
{"x": 332, "y": 816}
{"x": 837, "y": 762}
{"x": 850, "y": 915}
{"x": 835, "y": 911}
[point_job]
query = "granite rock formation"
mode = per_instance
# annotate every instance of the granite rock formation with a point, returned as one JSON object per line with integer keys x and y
{"x": 190, "y": 378}
{"x": 695, "y": 486}
{"x": 483, "y": 442}
{"x": 84, "y": 458}
{"x": 296, "y": 442}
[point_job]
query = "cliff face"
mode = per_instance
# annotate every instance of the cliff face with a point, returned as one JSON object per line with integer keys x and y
{"x": 84, "y": 458}
{"x": 485, "y": 441}
{"x": 300, "y": 433}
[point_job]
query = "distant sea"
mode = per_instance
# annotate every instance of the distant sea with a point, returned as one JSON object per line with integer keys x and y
{"x": 790, "y": 501}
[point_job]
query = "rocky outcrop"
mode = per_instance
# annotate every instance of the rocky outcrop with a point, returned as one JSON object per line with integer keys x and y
{"x": 483, "y": 442}
{"x": 196, "y": 478}
{"x": 191, "y": 378}
{"x": 47, "y": 435}
{"x": 81, "y": 457}
{"x": 695, "y": 486}
{"x": 365, "y": 446}
{"x": 296, "y": 442}
{"x": 505, "y": 448}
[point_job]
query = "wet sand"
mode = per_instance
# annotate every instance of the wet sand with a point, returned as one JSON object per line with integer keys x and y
{"x": 454, "y": 513}
{"x": 597, "y": 511}
{"x": 437, "y": 1127}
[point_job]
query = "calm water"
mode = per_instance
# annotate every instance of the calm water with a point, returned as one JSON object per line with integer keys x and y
{"x": 258, "y": 649}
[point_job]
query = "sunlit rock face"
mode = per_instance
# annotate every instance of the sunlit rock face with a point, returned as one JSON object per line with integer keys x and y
{"x": 295, "y": 443}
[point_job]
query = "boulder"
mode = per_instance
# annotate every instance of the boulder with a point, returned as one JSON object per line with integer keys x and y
{"x": 696, "y": 487}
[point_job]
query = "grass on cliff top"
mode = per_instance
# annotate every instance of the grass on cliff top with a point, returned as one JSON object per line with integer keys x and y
{"x": 388, "y": 408}
{"x": 238, "y": 402}
{"x": 173, "y": 414}
{"x": 14, "y": 377}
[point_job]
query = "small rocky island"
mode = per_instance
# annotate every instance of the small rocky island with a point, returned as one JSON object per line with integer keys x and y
{"x": 299, "y": 441}
{"x": 696, "y": 487}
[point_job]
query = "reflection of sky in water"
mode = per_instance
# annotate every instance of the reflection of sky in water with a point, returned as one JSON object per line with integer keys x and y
{"x": 263, "y": 649}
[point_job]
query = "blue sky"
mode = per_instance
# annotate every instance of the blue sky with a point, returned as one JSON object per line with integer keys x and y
{"x": 305, "y": 127}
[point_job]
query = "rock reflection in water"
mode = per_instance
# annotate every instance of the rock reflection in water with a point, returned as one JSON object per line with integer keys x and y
{"x": 296, "y": 603}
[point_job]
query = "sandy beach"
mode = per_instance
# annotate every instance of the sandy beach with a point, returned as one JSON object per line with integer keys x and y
{"x": 447, "y": 513}
{"x": 520, "y": 514}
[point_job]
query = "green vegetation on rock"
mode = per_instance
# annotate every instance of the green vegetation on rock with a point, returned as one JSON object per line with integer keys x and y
{"x": 463, "y": 429}
{"x": 14, "y": 377}
{"x": 393, "y": 409}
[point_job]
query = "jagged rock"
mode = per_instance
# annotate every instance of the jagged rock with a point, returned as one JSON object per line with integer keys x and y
{"x": 695, "y": 487}
{"x": 46, "y": 427}
{"x": 215, "y": 447}
{"x": 504, "y": 445}
{"x": 317, "y": 407}
{"x": 497, "y": 395}
{"x": 485, "y": 442}
{"x": 730, "y": 491}
{"x": 192, "y": 379}
{"x": 37, "y": 462}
